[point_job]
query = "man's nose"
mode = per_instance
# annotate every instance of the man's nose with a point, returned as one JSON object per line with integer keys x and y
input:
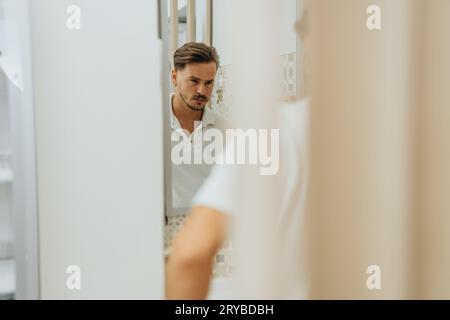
{"x": 201, "y": 89}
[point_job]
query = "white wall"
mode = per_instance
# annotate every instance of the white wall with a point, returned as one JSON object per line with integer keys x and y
{"x": 99, "y": 148}
{"x": 223, "y": 17}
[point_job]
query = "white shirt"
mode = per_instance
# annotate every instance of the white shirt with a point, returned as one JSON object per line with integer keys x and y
{"x": 187, "y": 178}
{"x": 222, "y": 192}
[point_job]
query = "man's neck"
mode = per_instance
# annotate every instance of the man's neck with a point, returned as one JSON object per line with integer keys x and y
{"x": 185, "y": 115}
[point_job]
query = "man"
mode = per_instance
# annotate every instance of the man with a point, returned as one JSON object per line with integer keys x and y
{"x": 193, "y": 75}
{"x": 188, "y": 273}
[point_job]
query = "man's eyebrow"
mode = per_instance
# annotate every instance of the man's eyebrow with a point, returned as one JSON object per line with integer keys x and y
{"x": 195, "y": 78}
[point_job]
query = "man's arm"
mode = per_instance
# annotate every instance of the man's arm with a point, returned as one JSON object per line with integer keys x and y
{"x": 189, "y": 266}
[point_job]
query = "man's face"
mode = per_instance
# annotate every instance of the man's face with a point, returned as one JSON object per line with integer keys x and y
{"x": 195, "y": 83}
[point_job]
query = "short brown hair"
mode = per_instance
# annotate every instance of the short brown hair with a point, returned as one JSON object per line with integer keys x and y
{"x": 194, "y": 52}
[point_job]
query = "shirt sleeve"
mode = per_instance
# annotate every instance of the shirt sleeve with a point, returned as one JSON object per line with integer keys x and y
{"x": 223, "y": 190}
{"x": 220, "y": 191}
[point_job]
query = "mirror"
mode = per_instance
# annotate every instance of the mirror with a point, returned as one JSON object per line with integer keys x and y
{"x": 208, "y": 21}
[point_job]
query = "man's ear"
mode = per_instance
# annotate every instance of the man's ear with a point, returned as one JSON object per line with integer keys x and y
{"x": 174, "y": 77}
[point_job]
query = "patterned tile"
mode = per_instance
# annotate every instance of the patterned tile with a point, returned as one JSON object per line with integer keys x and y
{"x": 289, "y": 80}
{"x": 221, "y": 97}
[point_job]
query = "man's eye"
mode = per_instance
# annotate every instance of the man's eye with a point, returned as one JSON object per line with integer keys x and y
{"x": 193, "y": 81}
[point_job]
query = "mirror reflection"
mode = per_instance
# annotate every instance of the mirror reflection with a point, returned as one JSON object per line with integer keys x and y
{"x": 200, "y": 100}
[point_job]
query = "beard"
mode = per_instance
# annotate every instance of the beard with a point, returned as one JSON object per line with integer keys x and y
{"x": 202, "y": 99}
